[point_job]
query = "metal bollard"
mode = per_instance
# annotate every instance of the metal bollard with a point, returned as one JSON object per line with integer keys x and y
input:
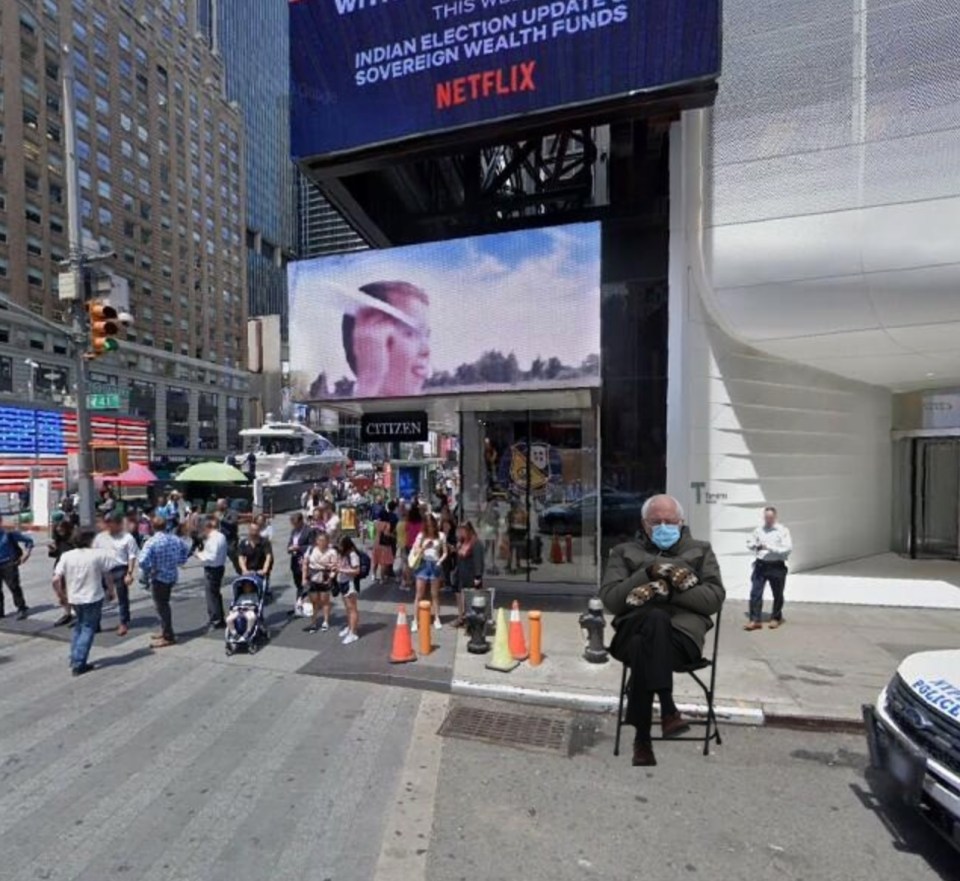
{"x": 593, "y": 625}
{"x": 476, "y": 621}
{"x": 536, "y": 639}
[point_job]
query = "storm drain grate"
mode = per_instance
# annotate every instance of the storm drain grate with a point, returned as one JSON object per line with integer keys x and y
{"x": 509, "y": 729}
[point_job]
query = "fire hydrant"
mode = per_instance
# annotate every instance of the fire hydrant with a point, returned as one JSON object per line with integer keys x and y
{"x": 476, "y": 621}
{"x": 593, "y": 625}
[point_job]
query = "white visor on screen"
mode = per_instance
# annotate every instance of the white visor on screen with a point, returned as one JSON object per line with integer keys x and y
{"x": 351, "y": 301}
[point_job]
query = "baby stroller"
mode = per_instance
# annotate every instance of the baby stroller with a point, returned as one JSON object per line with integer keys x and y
{"x": 246, "y": 623}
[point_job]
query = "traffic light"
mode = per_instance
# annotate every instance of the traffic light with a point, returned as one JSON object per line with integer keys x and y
{"x": 104, "y": 326}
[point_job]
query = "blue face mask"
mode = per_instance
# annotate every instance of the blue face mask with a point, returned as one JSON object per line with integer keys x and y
{"x": 665, "y": 535}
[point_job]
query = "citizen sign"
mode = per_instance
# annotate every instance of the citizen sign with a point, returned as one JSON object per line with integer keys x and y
{"x": 394, "y": 427}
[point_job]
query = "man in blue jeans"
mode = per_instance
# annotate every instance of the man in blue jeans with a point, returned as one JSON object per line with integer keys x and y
{"x": 160, "y": 560}
{"x": 78, "y": 580}
{"x": 122, "y": 545}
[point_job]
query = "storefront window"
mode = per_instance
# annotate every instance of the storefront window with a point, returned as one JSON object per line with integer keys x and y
{"x": 178, "y": 418}
{"x": 529, "y": 486}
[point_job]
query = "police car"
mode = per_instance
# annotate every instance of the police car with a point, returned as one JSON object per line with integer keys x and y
{"x": 913, "y": 733}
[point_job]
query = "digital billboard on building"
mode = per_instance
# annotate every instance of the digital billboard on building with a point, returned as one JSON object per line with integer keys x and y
{"x": 515, "y": 311}
{"x": 369, "y": 72}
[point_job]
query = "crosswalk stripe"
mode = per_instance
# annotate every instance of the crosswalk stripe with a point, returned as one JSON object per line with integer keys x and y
{"x": 75, "y": 704}
{"x": 74, "y": 849}
{"x": 20, "y": 799}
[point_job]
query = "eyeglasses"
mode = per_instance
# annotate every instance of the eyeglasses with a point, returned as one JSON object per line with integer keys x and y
{"x": 664, "y": 521}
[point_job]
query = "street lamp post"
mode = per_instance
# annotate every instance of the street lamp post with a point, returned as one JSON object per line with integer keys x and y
{"x": 75, "y": 265}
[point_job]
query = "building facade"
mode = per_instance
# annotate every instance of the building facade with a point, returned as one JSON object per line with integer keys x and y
{"x": 251, "y": 37}
{"x": 814, "y": 275}
{"x": 160, "y": 153}
{"x": 320, "y": 227}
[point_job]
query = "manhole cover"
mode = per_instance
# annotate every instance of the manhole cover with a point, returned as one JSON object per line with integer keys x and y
{"x": 509, "y": 729}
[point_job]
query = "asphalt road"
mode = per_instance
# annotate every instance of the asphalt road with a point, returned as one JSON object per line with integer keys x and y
{"x": 184, "y": 765}
{"x": 769, "y": 804}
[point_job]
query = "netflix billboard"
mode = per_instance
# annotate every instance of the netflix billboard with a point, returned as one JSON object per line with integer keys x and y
{"x": 373, "y": 72}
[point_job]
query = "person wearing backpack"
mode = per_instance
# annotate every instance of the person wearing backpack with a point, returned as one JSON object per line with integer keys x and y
{"x": 348, "y": 578}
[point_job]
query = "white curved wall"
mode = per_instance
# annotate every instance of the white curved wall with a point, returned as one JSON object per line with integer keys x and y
{"x": 747, "y": 428}
{"x": 832, "y": 192}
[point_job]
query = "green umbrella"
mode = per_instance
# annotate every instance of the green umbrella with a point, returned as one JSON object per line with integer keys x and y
{"x": 211, "y": 472}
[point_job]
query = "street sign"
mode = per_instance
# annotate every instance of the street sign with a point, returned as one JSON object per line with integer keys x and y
{"x": 103, "y": 402}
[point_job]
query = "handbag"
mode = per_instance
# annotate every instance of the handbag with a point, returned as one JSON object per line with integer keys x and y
{"x": 415, "y": 556}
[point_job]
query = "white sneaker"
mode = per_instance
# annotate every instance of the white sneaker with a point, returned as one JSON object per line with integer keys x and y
{"x": 343, "y": 632}
{"x": 414, "y": 627}
{"x": 350, "y": 637}
{"x": 437, "y": 625}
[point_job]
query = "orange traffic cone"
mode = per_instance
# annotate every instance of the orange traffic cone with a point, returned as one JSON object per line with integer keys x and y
{"x": 556, "y": 554}
{"x": 402, "y": 652}
{"x": 518, "y": 643}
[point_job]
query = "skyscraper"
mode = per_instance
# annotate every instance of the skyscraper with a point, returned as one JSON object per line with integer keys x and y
{"x": 160, "y": 151}
{"x": 252, "y": 39}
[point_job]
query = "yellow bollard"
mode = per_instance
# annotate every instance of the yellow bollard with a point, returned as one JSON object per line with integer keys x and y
{"x": 536, "y": 639}
{"x": 423, "y": 623}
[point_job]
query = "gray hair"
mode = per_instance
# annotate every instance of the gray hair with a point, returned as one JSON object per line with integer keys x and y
{"x": 648, "y": 504}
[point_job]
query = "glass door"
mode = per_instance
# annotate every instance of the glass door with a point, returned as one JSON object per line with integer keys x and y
{"x": 936, "y": 498}
{"x": 530, "y": 489}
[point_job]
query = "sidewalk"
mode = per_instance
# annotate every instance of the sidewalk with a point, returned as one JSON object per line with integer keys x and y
{"x": 818, "y": 668}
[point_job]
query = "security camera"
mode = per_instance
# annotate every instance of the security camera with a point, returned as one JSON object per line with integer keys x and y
{"x": 125, "y": 318}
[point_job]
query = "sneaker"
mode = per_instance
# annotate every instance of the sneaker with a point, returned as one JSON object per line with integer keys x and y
{"x": 83, "y": 668}
{"x": 349, "y": 638}
{"x": 437, "y": 625}
{"x": 163, "y": 643}
{"x": 22, "y": 614}
{"x": 414, "y": 627}
{"x": 324, "y": 627}
{"x": 343, "y": 632}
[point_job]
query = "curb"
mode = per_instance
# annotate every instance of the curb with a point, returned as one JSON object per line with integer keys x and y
{"x": 593, "y": 703}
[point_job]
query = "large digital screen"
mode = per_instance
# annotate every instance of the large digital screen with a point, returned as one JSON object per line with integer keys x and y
{"x": 517, "y": 310}
{"x": 368, "y": 72}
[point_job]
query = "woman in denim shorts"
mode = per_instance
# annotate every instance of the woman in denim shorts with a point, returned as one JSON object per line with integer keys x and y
{"x": 431, "y": 550}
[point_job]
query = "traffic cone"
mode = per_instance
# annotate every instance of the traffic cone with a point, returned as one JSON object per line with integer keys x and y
{"x": 518, "y": 642}
{"x": 402, "y": 652}
{"x": 556, "y": 554}
{"x": 502, "y": 660}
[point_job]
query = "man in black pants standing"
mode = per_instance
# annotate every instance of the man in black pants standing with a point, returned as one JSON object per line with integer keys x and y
{"x": 12, "y": 557}
{"x": 662, "y": 587}
{"x": 772, "y": 544}
{"x": 213, "y": 555}
{"x": 301, "y": 540}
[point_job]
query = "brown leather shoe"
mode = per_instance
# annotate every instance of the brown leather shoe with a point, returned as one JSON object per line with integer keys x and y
{"x": 775, "y": 623}
{"x": 162, "y": 643}
{"x": 673, "y": 725}
{"x": 753, "y": 625}
{"x": 643, "y": 756}
{"x": 122, "y": 630}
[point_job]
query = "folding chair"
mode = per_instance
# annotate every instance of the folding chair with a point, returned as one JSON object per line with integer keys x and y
{"x": 711, "y": 730}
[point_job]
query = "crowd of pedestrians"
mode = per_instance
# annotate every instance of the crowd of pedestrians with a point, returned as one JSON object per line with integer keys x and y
{"x": 416, "y": 548}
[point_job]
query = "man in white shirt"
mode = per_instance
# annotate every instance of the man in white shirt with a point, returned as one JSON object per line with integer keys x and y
{"x": 771, "y": 545}
{"x": 213, "y": 555}
{"x": 117, "y": 541}
{"x": 78, "y": 579}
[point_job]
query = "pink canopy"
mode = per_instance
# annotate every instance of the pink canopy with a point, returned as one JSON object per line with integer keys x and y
{"x": 135, "y": 475}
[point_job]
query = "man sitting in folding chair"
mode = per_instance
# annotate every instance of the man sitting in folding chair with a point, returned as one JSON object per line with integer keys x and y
{"x": 662, "y": 587}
